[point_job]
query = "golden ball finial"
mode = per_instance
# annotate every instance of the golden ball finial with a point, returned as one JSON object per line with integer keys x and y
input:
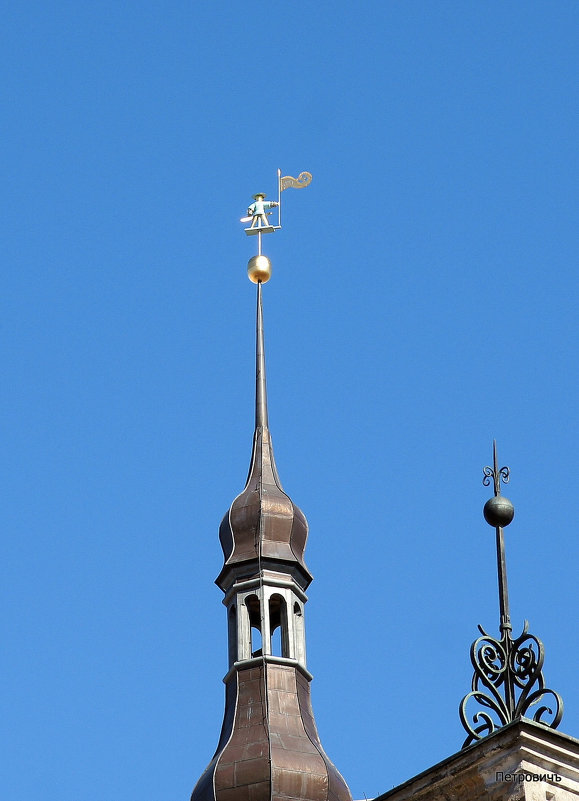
{"x": 259, "y": 269}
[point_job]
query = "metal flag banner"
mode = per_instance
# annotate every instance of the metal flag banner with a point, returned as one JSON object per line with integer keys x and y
{"x": 287, "y": 182}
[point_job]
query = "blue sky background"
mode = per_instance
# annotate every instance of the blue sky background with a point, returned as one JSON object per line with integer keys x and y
{"x": 424, "y": 300}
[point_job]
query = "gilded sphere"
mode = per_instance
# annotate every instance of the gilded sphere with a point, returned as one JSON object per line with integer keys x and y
{"x": 498, "y": 511}
{"x": 259, "y": 269}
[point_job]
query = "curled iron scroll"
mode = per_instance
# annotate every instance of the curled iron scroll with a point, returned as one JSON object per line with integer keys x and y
{"x": 517, "y": 663}
{"x": 526, "y": 666}
{"x": 504, "y": 474}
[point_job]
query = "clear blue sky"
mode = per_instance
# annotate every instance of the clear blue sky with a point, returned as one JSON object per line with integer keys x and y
{"x": 424, "y": 300}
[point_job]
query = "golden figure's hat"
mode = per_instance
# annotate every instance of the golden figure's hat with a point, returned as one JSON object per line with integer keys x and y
{"x": 259, "y": 194}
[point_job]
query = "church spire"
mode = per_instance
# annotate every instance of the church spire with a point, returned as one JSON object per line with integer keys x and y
{"x": 269, "y": 749}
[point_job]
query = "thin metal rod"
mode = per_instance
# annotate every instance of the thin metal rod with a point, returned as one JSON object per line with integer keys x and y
{"x": 260, "y": 385}
{"x": 505, "y": 626}
{"x": 496, "y": 474}
{"x": 501, "y": 556}
{"x": 279, "y": 198}
{"x": 503, "y": 585}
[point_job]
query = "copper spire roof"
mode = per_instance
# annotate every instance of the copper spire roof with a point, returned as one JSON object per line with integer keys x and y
{"x": 262, "y": 523}
{"x": 269, "y": 748}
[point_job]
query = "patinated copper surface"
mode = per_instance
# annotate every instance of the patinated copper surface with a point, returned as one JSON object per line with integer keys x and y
{"x": 269, "y": 746}
{"x": 262, "y": 521}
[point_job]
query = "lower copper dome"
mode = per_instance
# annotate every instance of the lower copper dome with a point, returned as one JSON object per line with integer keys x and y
{"x": 269, "y": 746}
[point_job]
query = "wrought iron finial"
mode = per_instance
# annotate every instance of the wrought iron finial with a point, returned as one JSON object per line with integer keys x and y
{"x": 498, "y": 511}
{"x": 259, "y": 266}
{"x": 495, "y": 473}
{"x": 508, "y": 676}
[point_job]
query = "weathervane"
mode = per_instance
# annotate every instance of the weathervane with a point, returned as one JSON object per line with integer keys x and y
{"x": 508, "y": 677}
{"x": 259, "y": 266}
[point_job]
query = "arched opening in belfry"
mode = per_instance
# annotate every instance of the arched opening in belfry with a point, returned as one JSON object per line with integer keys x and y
{"x": 253, "y": 607}
{"x": 278, "y": 626}
{"x": 232, "y": 634}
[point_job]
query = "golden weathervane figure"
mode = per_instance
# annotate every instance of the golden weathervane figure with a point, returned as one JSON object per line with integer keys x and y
{"x": 259, "y": 267}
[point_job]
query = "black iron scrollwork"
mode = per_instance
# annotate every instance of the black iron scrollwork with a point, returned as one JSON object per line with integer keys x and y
{"x": 507, "y": 681}
{"x": 502, "y": 474}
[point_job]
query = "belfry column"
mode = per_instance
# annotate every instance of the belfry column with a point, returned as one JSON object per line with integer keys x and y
{"x": 269, "y": 746}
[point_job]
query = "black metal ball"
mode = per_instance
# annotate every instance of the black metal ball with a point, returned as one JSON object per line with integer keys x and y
{"x": 498, "y": 511}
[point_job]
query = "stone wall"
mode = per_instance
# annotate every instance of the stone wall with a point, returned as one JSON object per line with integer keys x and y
{"x": 523, "y": 760}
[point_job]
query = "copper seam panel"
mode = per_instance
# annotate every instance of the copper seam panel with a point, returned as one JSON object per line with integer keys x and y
{"x": 337, "y": 788}
{"x": 243, "y": 767}
{"x": 204, "y": 789}
{"x": 298, "y": 771}
{"x": 299, "y": 535}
